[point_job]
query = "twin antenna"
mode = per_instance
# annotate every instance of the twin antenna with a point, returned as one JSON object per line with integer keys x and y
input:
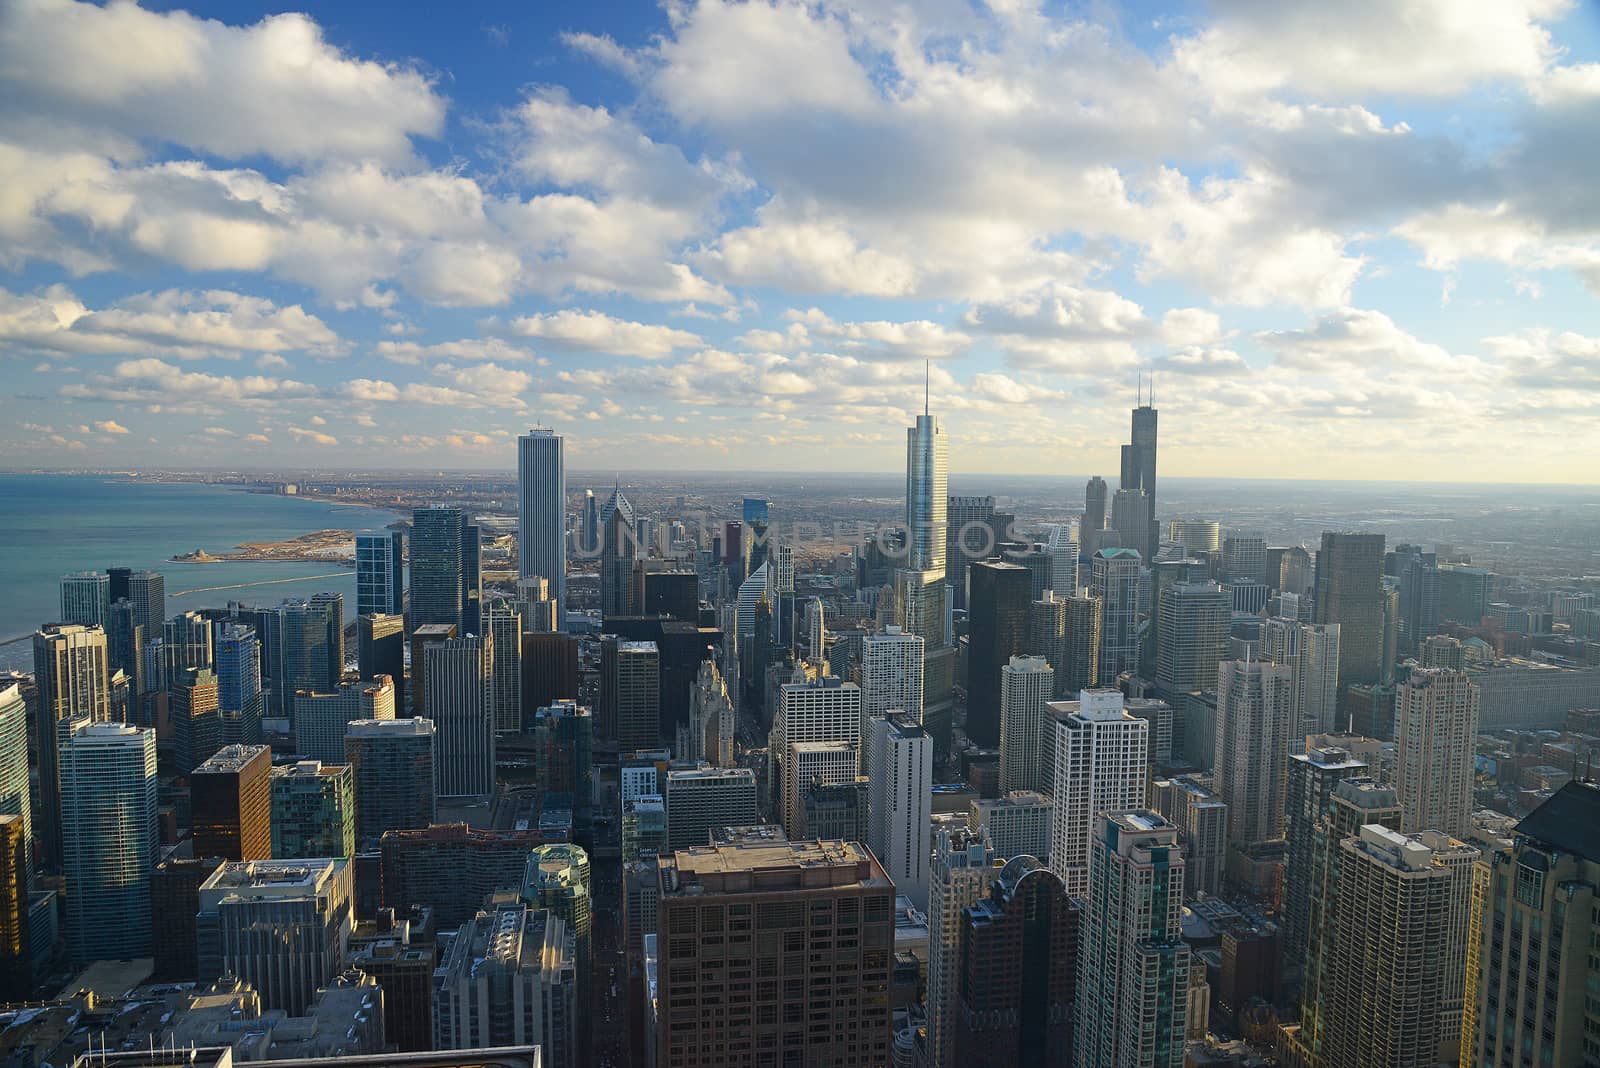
{"x": 1139, "y": 399}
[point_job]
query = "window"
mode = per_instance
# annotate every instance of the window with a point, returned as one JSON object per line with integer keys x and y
{"x": 1530, "y": 886}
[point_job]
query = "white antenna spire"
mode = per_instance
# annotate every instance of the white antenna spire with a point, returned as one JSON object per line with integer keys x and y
{"x": 927, "y": 385}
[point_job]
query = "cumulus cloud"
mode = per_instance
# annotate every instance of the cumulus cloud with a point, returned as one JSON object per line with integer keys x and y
{"x": 593, "y": 331}
{"x": 110, "y": 426}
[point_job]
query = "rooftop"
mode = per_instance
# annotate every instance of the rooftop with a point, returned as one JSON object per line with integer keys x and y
{"x": 231, "y": 758}
{"x": 1569, "y": 821}
{"x": 757, "y": 867}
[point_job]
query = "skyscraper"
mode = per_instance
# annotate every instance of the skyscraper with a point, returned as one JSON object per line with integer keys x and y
{"x": 1063, "y": 547}
{"x": 381, "y": 647}
{"x": 1349, "y": 592}
{"x": 1436, "y": 724}
{"x": 1255, "y": 718}
{"x": 15, "y": 795}
{"x": 231, "y": 800}
{"x": 822, "y": 710}
{"x": 444, "y": 569}
{"x": 808, "y": 892}
{"x": 302, "y": 648}
{"x": 1313, "y": 778}
{"x": 16, "y": 951}
{"x": 320, "y": 719}
{"x": 1094, "y": 514}
{"x": 1399, "y": 933}
{"x": 313, "y": 811}
{"x": 558, "y": 878}
{"x": 999, "y": 598}
{"x": 701, "y": 799}
{"x": 964, "y": 867}
{"x": 1195, "y": 535}
{"x": 74, "y": 687}
{"x": 890, "y": 675}
{"x": 1194, "y": 630}
{"x": 458, "y": 672}
{"x": 1017, "y": 976}
{"x": 196, "y": 717}
{"x": 1311, "y": 652}
{"x": 1133, "y": 965}
{"x": 1026, "y": 684}
{"x": 380, "y": 573}
{"x": 108, "y": 818}
{"x": 1100, "y": 753}
{"x": 630, "y": 693}
{"x": 927, "y": 494}
{"x": 392, "y": 769}
{"x": 1116, "y": 586}
{"x": 1418, "y": 575}
{"x": 900, "y": 764}
{"x": 542, "y": 513}
{"x": 1080, "y": 646}
{"x": 1142, "y": 437}
{"x": 1525, "y": 948}
{"x": 1130, "y": 518}
{"x": 239, "y": 695}
{"x": 504, "y": 624}
{"x": 1202, "y": 821}
{"x": 86, "y": 598}
{"x": 619, "y": 549}
{"x": 187, "y": 643}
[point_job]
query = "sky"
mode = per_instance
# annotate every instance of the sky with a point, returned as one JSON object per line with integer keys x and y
{"x": 1356, "y": 240}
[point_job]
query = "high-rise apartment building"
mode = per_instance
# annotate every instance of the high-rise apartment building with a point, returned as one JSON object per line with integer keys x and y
{"x": 196, "y": 716}
{"x": 1047, "y": 627}
{"x": 823, "y": 710}
{"x": 380, "y": 573}
{"x": 16, "y": 795}
{"x": 1115, "y": 574}
{"x": 701, "y": 799}
{"x": 280, "y": 925}
{"x": 793, "y": 893}
{"x": 1202, "y": 821}
{"x": 230, "y": 796}
{"x": 927, "y": 494}
{"x": 302, "y": 648}
{"x": 392, "y": 771}
{"x": 900, "y": 765}
{"x": 1255, "y": 721}
{"x": 108, "y": 820}
{"x": 1313, "y": 781}
{"x": 1194, "y": 621}
{"x": 542, "y": 514}
{"x": 563, "y": 733}
{"x": 1133, "y": 964}
{"x": 16, "y": 950}
{"x": 451, "y": 866}
{"x": 86, "y": 598}
{"x": 558, "y": 878}
{"x": 1349, "y": 592}
{"x": 999, "y": 596}
{"x": 964, "y": 867}
{"x": 1026, "y": 684}
{"x": 1100, "y": 758}
{"x": 458, "y": 673}
{"x": 890, "y": 674}
{"x": 240, "y": 700}
{"x": 1436, "y": 724}
{"x": 445, "y": 583}
{"x": 509, "y": 978}
{"x": 1017, "y": 973}
{"x": 1311, "y": 652}
{"x": 630, "y": 693}
{"x": 381, "y": 647}
{"x": 1399, "y": 933}
{"x": 313, "y": 811}
{"x": 1531, "y": 966}
{"x": 1080, "y": 646}
{"x": 503, "y": 623}
{"x": 73, "y": 687}
{"x": 321, "y": 719}
{"x": 1014, "y": 824}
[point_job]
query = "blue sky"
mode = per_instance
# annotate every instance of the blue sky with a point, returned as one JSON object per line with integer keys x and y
{"x": 1351, "y": 241}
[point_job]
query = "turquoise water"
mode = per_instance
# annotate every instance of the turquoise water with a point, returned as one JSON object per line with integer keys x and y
{"x": 52, "y": 524}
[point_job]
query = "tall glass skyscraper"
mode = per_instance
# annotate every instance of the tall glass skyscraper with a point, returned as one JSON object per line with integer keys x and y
{"x": 927, "y": 494}
{"x": 542, "y": 513}
{"x": 445, "y": 583}
{"x": 380, "y": 573}
{"x": 239, "y": 683}
{"x": 85, "y": 598}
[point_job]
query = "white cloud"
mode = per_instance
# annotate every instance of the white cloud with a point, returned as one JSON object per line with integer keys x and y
{"x": 806, "y": 257}
{"x": 109, "y": 426}
{"x": 315, "y": 437}
{"x": 489, "y": 348}
{"x": 1358, "y": 338}
{"x": 153, "y": 381}
{"x": 593, "y": 331}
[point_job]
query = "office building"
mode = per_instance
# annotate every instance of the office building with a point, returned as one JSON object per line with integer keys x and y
{"x": 509, "y": 978}
{"x": 108, "y": 820}
{"x": 503, "y": 623}
{"x": 549, "y": 670}
{"x": 1115, "y": 575}
{"x": 86, "y": 598}
{"x": 1079, "y": 668}
{"x": 630, "y": 693}
{"x": 1130, "y": 515}
{"x": 380, "y": 573}
{"x": 1417, "y": 573}
{"x": 1349, "y": 592}
{"x": 1311, "y": 652}
{"x": 1014, "y": 824}
{"x": 1027, "y": 683}
{"x": 809, "y": 765}
{"x": 302, "y": 648}
{"x": 542, "y": 513}
{"x": 187, "y": 643}
{"x": 557, "y": 878}
{"x": 1525, "y": 948}
{"x": 174, "y": 900}
{"x": 900, "y": 765}
{"x": 451, "y": 867}
{"x": 145, "y": 590}
{"x": 838, "y": 810}
{"x": 1194, "y": 622}
{"x": 1195, "y": 535}
{"x": 445, "y": 585}
{"x": 230, "y": 796}
{"x": 1436, "y": 725}
{"x": 806, "y": 893}
{"x": 563, "y": 734}
{"x": 1017, "y": 975}
{"x": 280, "y": 925}
{"x": 964, "y": 867}
{"x": 313, "y": 811}
{"x": 1312, "y": 782}
{"x": 1062, "y": 546}
{"x": 321, "y": 719}
{"x": 1399, "y": 932}
{"x": 999, "y": 596}
{"x": 16, "y": 950}
{"x": 458, "y": 671}
{"x": 1464, "y": 593}
{"x": 701, "y": 799}
{"x": 1255, "y": 721}
{"x": 822, "y": 710}
{"x": 240, "y": 700}
{"x": 1244, "y": 559}
{"x": 1133, "y": 973}
{"x": 16, "y": 795}
{"x": 73, "y": 686}
{"x": 196, "y": 716}
{"x": 711, "y": 718}
{"x": 1100, "y": 756}
{"x": 381, "y": 647}
{"x": 392, "y": 765}
{"x": 1202, "y": 821}
{"x": 890, "y": 675}
{"x": 621, "y": 590}
{"x": 1095, "y": 513}
{"x": 400, "y": 955}
{"x": 1139, "y": 471}
{"x": 972, "y": 531}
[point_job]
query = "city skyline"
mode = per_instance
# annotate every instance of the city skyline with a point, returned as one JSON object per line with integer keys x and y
{"x": 597, "y": 220}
